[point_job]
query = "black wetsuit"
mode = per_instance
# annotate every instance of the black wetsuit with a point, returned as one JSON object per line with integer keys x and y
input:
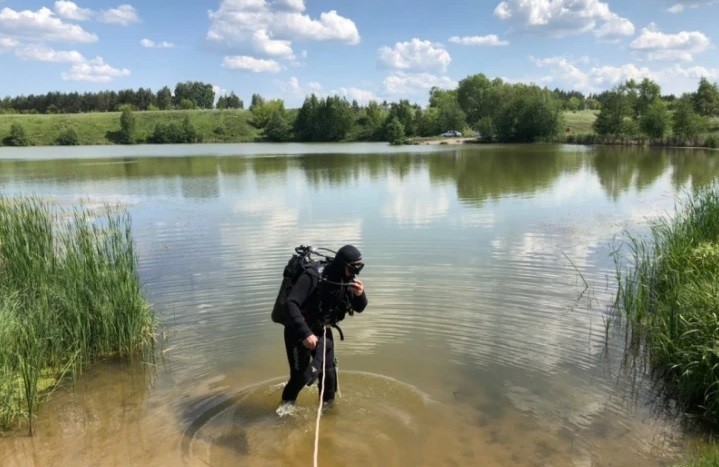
{"x": 312, "y": 304}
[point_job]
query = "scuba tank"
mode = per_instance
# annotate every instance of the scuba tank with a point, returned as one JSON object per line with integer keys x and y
{"x": 298, "y": 263}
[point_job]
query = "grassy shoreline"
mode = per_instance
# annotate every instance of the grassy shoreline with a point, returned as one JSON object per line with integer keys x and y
{"x": 670, "y": 295}
{"x": 235, "y": 126}
{"x": 69, "y": 296}
{"x": 214, "y": 126}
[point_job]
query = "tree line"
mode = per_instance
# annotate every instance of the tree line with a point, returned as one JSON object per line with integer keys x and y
{"x": 637, "y": 111}
{"x": 490, "y": 109}
{"x": 186, "y": 95}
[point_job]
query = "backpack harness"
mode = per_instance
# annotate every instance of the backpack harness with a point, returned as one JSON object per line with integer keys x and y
{"x": 298, "y": 264}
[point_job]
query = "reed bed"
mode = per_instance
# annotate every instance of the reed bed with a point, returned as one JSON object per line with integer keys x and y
{"x": 69, "y": 296}
{"x": 671, "y": 297}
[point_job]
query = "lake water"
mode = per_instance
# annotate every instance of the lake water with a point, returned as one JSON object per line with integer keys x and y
{"x": 488, "y": 339}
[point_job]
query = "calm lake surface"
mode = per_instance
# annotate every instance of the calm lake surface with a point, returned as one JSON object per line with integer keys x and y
{"x": 481, "y": 344}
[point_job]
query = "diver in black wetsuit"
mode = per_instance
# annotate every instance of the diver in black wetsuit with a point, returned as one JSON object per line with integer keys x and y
{"x": 317, "y": 301}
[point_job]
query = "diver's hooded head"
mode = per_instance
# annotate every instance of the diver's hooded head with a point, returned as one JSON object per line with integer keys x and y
{"x": 346, "y": 255}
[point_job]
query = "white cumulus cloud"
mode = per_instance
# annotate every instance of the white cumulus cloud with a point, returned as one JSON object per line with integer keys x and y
{"x": 566, "y": 71}
{"x": 7, "y": 43}
{"x": 276, "y": 48}
{"x": 41, "y": 53}
{"x": 581, "y": 76}
{"x": 69, "y": 10}
{"x": 95, "y": 70}
{"x": 656, "y": 45}
{"x": 415, "y": 55}
{"x": 560, "y": 18}
{"x": 489, "y": 40}
{"x": 247, "y": 63}
{"x": 416, "y": 83}
{"x": 268, "y": 28}
{"x": 123, "y": 15}
{"x": 295, "y": 87}
{"x": 40, "y": 25}
{"x": 362, "y": 96}
{"x": 150, "y": 44}
{"x": 681, "y": 6}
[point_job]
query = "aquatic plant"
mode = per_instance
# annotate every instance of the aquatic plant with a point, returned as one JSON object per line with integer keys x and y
{"x": 671, "y": 296}
{"x": 69, "y": 296}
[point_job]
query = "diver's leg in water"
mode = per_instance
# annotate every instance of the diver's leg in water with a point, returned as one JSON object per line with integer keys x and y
{"x": 329, "y": 379}
{"x": 298, "y": 358}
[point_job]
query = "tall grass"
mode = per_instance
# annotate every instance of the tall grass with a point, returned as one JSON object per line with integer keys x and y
{"x": 671, "y": 296}
{"x": 69, "y": 296}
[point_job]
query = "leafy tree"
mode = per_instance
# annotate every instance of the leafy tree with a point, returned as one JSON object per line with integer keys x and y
{"x": 487, "y": 129}
{"x": 335, "y": 119}
{"x": 474, "y": 97}
{"x": 257, "y": 101}
{"x": 201, "y": 94}
{"x": 610, "y": 120}
{"x": 128, "y": 126}
{"x": 573, "y": 103}
{"x": 449, "y": 115}
{"x": 164, "y": 98}
{"x": 143, "y": 99}
{"x": 593, "y": 104}
{"x": 426, "y": 122}
{"x": 441, "y": 97}
{"x": 706, "y": 99}
{"x": 189, "y": 132}
{"x": 450, "y": 118}
{"x": 261, "y": 112}
{"x": 278, "y": 129}
{"x": 306, "y": 123}
{"x": 370, "y": 122}
{"x": 686, "y": 124}
{"x": 324, "y": 119}
{"x": 655, "y": 122}
{"x": 230, "y": 101}
{"x": 17, "y": 137}
{"x": 404, "y": 112}
{"x": 395, "y": 131}
{"x": 530, "y": 114}
{"x": 649, "y": 93}
{"x": 188, "y": 104}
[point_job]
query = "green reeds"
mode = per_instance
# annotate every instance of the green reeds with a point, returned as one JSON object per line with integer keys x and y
{"x": 671, "y": 297}
{"x": 69, "y": 296}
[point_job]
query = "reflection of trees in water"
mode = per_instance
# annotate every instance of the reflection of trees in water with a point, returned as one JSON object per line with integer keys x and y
{"x": 479, "y": 172}
{"x": 695, "y": 169}
{"x": 338, "y": 169}
{"x": 620, "y": 168}
{"x": 501, "y": 171}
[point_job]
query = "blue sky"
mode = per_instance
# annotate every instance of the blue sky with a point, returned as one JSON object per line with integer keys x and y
{"x": 370, "y": 49}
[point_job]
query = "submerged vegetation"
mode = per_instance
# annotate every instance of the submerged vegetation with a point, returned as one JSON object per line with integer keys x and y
{"x": 69, "y": 296}
{"x": 671, "y": 297}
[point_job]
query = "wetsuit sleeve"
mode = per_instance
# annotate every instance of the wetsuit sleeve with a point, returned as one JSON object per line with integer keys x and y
{"x": 298, "y": 296}
{"x": 359, "y": 302}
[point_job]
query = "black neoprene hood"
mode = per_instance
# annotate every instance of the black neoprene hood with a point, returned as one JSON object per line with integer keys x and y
{"x": 348, "y": 254}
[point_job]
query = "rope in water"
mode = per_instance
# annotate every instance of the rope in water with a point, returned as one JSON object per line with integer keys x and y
{"x": 322, "y": 393}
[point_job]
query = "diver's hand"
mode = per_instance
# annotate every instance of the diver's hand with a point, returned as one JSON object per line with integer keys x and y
{"x": 310, "y": 341}
{"x": 356, "y": 287}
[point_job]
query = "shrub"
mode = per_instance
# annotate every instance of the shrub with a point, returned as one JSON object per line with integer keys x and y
{"x": 172, "y": 133}
{"x": 67, "y": 137}
{"x": 18, "y": 136}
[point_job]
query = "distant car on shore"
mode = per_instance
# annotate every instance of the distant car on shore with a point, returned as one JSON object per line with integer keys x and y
{"x": 451, "y": 133}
